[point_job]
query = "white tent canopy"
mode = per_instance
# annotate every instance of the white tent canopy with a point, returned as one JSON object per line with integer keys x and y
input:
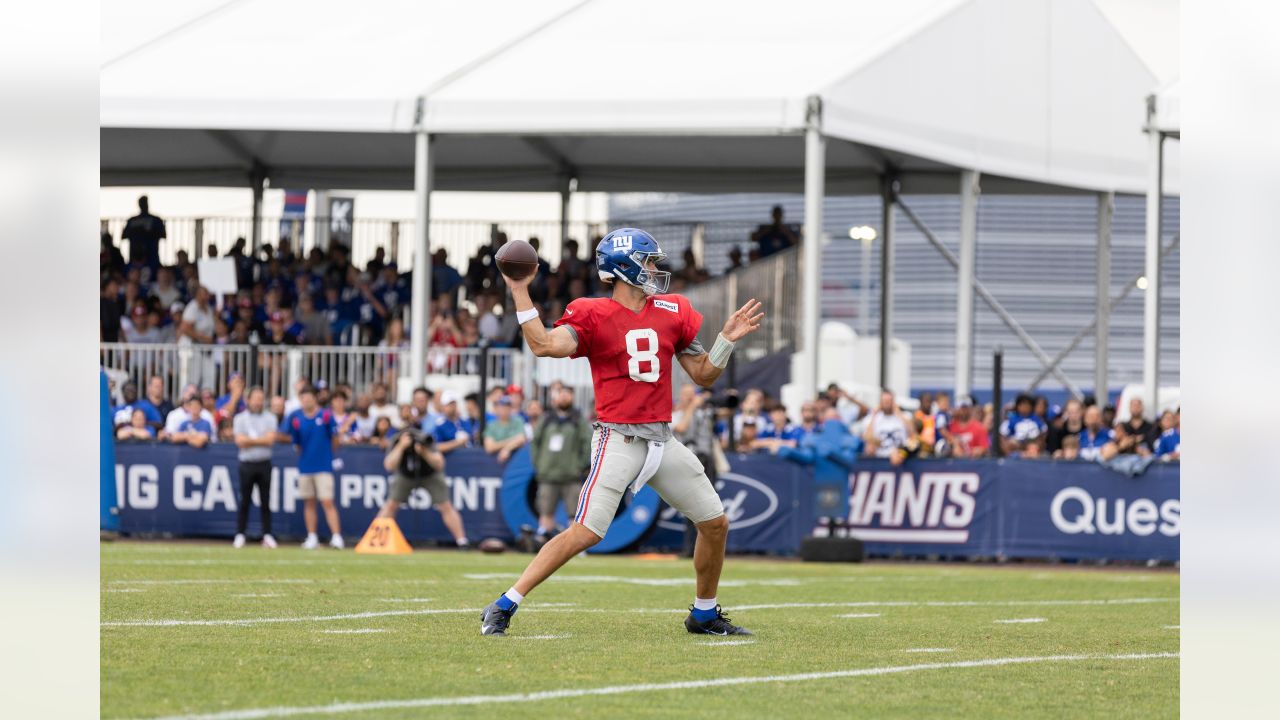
{"x": 667, "y": 94}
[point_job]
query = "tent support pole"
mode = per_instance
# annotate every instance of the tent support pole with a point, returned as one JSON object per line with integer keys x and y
{"x": 1106, "y": 208}
{"x": 258, "y": 181}
{"x": 815, "y": 149}
{"x": 422, "y": 177}
{"x": 1151, "y": 314}
{"x": 964, "y": 281}
{"x": 565, "y": 194}
{"x": 888, "y": 198}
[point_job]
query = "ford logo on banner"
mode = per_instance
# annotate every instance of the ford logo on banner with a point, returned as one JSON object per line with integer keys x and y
{"x": 747, "y": 502}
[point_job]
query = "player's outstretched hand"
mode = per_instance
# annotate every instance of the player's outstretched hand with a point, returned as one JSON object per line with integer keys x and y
{"x": 512, "y": 283}
{"x": 744, "y": 321}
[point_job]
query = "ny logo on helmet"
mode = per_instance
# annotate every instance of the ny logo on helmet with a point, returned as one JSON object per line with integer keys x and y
{"x": 622, "y": 242}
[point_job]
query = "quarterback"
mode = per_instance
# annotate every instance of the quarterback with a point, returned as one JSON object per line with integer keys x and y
{"x": 630, "y": 339}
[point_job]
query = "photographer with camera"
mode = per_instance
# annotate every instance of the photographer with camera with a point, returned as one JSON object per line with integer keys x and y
{"x": 416, "y": 462}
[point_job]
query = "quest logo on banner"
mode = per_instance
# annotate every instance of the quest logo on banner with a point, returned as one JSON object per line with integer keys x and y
{"x": 936, "y": 507}
{"x": 1075, "y": 511}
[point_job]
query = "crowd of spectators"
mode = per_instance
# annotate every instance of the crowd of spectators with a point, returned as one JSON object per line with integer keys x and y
{"x": 321, "y": 297}
{"x": 1030, "y": 428}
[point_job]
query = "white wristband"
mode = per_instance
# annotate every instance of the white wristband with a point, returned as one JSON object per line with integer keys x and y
{"x": 524, "y": 316}
{"x": 721, "y": 351}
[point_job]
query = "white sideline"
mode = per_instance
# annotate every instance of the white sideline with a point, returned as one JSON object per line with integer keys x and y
{"x": 928, "y": 650}
{"x": 859, "y": 615}
{"x": 559, "y": 607}
{"x": 354, "y": 631}
{"x": 1012, "y": 621}
{"x": 336, "y": 708}
{"x": 726, "y": 642}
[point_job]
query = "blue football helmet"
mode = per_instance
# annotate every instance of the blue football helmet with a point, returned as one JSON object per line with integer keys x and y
{"x": 622, "y": 255}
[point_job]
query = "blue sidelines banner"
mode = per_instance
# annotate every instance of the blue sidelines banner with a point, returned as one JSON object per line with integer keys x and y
{"x": 107, "y": 517}
{"x": 180, "y": 491}
{"x": 1015, "y": 508}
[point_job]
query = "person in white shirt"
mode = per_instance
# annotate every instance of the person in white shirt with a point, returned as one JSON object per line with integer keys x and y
{"x": 179, "y": 415}
{"x": 379, "y": 407}
{"x": 255, "y": 432}
{"x": 888, "y": 430}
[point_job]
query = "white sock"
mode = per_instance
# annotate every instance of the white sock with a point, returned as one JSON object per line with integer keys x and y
{"x": 514, "y": 596}
{"x": 462, "y": 542}
{"x": 312, "y": 536}
{"x": 700, "y": 604}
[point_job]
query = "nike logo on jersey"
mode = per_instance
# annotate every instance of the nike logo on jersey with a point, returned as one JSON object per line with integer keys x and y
{"x": 567, "y": 311}
{"x": 665, "y": 305}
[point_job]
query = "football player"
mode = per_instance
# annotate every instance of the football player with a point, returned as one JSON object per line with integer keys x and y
{"x": 630, "y": 339}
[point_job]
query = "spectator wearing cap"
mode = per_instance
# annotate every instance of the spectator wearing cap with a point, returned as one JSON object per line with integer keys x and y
{"x": 506, "y": 433}
{"x": 965, "y": 435}
{"x": 284, "y": 330}
{"x": 1169, "y": 444}
{"x": 449, "y": 432}
{"x": 1095, "y": 440}
{"x": 313, "y": 432}
{"x": 136, "y": 428}
{"x": 515, "y": 393}
{"x": 196, "y": 430}
{"x": 1022, "y": 432}
{"x": 139, "y": 328}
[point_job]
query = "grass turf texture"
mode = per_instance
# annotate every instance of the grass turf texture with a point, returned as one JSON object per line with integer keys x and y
{"x": 180, "y": 669}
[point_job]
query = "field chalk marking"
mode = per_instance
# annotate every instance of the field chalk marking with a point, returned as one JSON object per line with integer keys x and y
{"x": 258, "y": 595}
{"x": 726, "y": 642}
{"x": 540, "y": 637}
{"x": 859, "y": 615}
{"x": 337, "y": 708}
{"x": 354, "y": 631}
{"x": 405, "y": 600}
{"x": 928, "y": 650}
{"x": 550, "y": 608}
{"x": 1015, "y": 621}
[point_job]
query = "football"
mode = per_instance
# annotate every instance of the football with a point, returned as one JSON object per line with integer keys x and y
{"x": 492, "y": 545}
{"x": 517, "y": 259}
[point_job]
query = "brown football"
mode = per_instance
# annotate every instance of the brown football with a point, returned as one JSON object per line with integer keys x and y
{"x": 492, "y": 545}
{"x": 517, "y": 259}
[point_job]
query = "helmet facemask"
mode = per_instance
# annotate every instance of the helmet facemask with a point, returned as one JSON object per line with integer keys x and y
{"x": 653, "y": 282}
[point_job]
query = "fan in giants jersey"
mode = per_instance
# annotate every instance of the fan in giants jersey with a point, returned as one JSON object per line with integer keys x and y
{"x": 630, "y": 339}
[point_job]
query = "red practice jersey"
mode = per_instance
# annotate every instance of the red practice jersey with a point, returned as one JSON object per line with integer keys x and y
{"x": 631, "y": 353}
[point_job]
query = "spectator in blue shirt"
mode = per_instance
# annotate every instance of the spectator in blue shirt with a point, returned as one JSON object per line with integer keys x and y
{"x": 1097, "y": 442}
{"x": 449, "y": 433}
{"x": 154, "y": 405}
{"x": 137, "y": 427}
{"x": 471, "y": 423}
{"x": 1169, "y": 444}
{"x": 195, "y": 430}
{"x": 314, "y": 433}
{"x": 779, "y": 432}
{"x": 1022, "y": 434}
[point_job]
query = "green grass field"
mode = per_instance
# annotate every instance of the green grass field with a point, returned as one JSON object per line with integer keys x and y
{"x": 208, "y": 631}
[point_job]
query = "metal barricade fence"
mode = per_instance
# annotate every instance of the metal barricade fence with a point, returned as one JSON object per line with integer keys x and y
{"x": 277, "y": 367}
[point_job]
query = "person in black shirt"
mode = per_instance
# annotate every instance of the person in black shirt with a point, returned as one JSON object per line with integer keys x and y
{"x": 110, "y": 258}
{"x": 775, "y": 236}
{"x": 1069, "y": 423}
{"x": 144, "y": 232}
{"x": 110, "y": 310}
{"x": 1142, "y": 430}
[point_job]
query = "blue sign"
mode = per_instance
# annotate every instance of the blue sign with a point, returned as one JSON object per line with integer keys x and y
{"x": 107, "y": 517}
{"x": 180, "y": 491}
{"x": 1015, "y": 508}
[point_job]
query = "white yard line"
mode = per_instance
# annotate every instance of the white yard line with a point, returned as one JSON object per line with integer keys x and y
{"x": 540, "y": 637}
{"x": 258, "y": 595}
{"x": 1014, "y": 621}
{"x": 1172, "y": 627}
{"x": 928, "y": 650}
{"x": 405, "y": 600}
{"x": 566, "y": 693}
{"x": 229, "y": 581}
{"x": 553, "y": 607}
{"x": 859, "y": 615}
{"x": 354, "y": 631}
{"x": 726, "y": 642}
